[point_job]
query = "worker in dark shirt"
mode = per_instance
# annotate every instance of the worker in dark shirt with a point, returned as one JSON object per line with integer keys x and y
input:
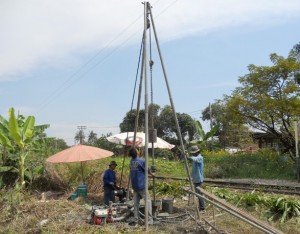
{"x": 109, "y": 183}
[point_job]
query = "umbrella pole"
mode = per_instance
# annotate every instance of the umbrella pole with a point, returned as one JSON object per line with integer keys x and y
{"x": 82, "y": 173}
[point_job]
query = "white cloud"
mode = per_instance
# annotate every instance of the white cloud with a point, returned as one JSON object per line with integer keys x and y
{"x": 50, "y": 33}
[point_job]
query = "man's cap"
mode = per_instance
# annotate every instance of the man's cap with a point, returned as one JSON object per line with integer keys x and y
{"x": 113, "y": 163}
{"x": 194, "y": 149}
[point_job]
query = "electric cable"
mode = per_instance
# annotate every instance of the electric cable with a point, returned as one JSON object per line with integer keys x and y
{"x": 151, "y": 63}
{"x": 69, "y": 83}
{"x": 133, "y": 95}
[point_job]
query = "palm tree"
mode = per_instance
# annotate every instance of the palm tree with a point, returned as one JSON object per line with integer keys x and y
{"x": 92, "y": 138}
{"x": 79, "y": 137}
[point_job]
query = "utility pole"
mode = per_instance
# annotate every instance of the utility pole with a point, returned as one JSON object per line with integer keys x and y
{"x": 297, "y": 131}
{"x": 81, "y": 133}
{"x": 210, "y": 116}
{"x": 211, "y": 126}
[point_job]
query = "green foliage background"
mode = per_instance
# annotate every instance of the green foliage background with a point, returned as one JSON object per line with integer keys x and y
{"x": 262, "y": 165}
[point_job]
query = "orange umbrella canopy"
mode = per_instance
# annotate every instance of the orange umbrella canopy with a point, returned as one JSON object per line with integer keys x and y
{"x": 79, "y": 153}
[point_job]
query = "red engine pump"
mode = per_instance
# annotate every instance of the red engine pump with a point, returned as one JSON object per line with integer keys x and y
{"x": 100, "y": 216}
{"x": 109, "y": 218}
{"x": 97, "y": 220}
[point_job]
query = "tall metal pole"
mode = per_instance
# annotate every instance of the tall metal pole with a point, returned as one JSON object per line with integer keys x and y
{"x": 153, "y": 132}
{"x": 146, "y": 7}
{"x": 172, "y": 105}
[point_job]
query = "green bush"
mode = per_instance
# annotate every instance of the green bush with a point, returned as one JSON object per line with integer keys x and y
{"x": 264, "y": 165}
{"x": 244, "y": 165}
{"x": 169, "y": 188}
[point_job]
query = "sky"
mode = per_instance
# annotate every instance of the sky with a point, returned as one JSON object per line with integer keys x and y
{"x": 73, "y": 63}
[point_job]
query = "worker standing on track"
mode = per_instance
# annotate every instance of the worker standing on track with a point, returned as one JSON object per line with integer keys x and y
{"x": 197, "y": 173}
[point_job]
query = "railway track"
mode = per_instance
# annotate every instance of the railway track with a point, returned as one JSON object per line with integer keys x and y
{"x": 279, "y": 187}
{"x": 234, "y": 211}
{"x": 210, "y": 220}
{"x": 262, "y": 186}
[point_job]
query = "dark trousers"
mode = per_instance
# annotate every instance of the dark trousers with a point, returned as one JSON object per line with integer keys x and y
{"x": 109, "y": 195}
{"x": 201, "y": 200}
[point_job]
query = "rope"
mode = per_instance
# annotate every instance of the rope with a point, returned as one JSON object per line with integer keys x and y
{"x": 136, "y": 76}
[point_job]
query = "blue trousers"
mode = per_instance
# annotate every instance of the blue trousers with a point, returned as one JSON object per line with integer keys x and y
{"x": 109, "y": 195}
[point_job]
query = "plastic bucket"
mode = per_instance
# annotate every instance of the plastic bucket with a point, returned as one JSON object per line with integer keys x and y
{"x": 167, "y": 205}
{"x": 82, "y": 191}
{"x": 156, "y": 206}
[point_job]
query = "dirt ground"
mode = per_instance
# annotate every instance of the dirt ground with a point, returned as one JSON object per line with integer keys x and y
{"x": 60, "y": 215}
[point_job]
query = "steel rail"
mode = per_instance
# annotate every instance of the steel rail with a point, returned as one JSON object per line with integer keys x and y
{"x": 279, "y": 189}
{"x": 234, "y": 211}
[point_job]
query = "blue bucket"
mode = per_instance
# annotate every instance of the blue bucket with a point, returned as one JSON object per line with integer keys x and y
{"x": 82, "y": 190}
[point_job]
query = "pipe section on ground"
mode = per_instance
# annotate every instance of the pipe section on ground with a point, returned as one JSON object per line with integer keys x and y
{"x": 234, "y": 211}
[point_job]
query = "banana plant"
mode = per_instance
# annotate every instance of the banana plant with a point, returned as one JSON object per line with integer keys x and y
{"x": 202, "y": 137}
{"x": 16, "y": 137}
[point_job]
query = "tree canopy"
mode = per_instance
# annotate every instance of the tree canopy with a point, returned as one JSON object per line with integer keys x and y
{"x": 163, "y": 121}
{"x": 268, "y": 98}
{"x": 231, "y": 133}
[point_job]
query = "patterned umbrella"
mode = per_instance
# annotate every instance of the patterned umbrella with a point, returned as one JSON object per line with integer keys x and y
{"x": 126, "y": 138}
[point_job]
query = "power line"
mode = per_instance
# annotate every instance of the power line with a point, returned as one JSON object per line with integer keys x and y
{"x": 102, "y": 126}
{"x": 61, "y": 89}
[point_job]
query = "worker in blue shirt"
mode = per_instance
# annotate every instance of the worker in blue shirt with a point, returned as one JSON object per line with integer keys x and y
{"x": 109, "y": 183}
{"x": 197, "y": 173}
{"x": 137, "y": 176}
